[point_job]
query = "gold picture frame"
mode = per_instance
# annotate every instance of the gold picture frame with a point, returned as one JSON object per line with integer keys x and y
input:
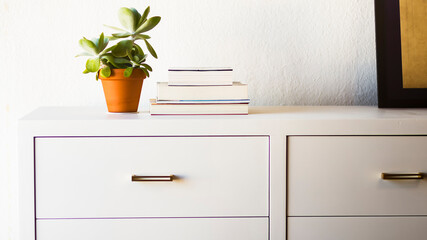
{"x": 401, "y": 37}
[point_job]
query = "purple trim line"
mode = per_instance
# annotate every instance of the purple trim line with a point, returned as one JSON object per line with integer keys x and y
{"x": 358, "y": 216}
{"x": 34, "y": 182}
{"x": 118, "y": 218}
{"x": 269, "y": 180}
{"x": 148, "y": 136}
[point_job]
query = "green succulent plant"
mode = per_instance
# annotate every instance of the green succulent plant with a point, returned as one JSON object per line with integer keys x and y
{"x": 125, "y": 54}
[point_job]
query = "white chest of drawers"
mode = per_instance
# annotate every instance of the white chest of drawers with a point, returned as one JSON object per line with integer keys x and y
{"x": 280, "y": 173}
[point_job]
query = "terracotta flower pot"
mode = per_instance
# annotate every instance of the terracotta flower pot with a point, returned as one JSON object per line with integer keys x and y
{"x": 122, "y": 93}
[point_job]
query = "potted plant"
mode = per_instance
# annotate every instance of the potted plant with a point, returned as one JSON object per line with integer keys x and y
{"x": 122, "y": 67}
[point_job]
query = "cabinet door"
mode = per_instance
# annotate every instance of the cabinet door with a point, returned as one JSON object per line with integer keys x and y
{"x": 92, "y": 177}
{"x": 341, "y": 175}
{"x": 154, "y": 229}
{"x": 357, "y": 228}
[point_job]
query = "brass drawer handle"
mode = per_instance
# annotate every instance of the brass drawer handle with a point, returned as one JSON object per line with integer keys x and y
{"x": 136, "y": 178}
{"x": 401, "y": 176}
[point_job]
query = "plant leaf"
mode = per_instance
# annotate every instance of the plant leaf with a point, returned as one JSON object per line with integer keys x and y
{"x": 95, "y": 41}
{"x": 100, "y": 43}
{"x": 106, "y": 41}
{"x": 129, "y": 54}
{"x": 112, "y": 38}
{"x": 124, "y": 66}
{"x": 115, "y": 28}
{"x": 108, "y": 49}
{"x": 148, "y": 25}
{"x": 147, "y": 67}
{"x": 127, "y": 18}
{"x": 85, "y": 71}
{"x": 122, "y": 48}
{"x": 128, "y": 72}
{"x": 88, "y": 45}
{"x": 121, "y": 61}
{"x": 143, "y": 58}
{"x": 150, "y": 49}
{"x": 144, "y": 16}
{"x": 105, "y": 72}
{"x": 121, "y": 35}
{"x": 110, "y": 59}
{"x": 84, "y": 54}
{"x": 138, "y": 48}
{"x": 142, "y": 36}
{"x": 134, "y": 63}
{"x": 146, "y": 72}
{"x": 136, "y": 17}
{"x": 92, "y": 64}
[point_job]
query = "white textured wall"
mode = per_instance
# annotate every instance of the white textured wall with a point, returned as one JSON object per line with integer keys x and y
{"x": 291, "y": 52}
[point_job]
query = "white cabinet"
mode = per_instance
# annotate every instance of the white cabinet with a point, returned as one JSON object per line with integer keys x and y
{"x": 296, "y": 173}
{"x": 336, "y": 189}
{"x": 341, "y": 175}
{"x": 159, "y": 228}
{"x": 92, "y": 177}
{"x": 95, "y": 185}
{"x": 357, "y": 228}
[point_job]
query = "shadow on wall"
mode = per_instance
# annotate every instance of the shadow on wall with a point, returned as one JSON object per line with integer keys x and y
{"x": 366, "y": 88}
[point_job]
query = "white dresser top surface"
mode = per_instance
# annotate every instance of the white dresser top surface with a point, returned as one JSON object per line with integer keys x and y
{"x": 271, "y": 112}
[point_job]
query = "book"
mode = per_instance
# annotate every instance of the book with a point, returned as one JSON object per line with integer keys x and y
{"x": 202, "y": 101}
{"x": 200, "y": 76}
{"x": 235, "y": 91}
{"x": 199, "y": 109}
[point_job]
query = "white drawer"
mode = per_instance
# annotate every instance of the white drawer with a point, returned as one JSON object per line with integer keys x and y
{"x": 341, "y": 175}
{"x": 91, "y": 177}
{"x": 154, "y": 229}
{"x": 357, "y": 228}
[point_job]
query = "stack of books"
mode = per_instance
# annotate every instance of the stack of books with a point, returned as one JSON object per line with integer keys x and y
{"x": 206, "y": 91}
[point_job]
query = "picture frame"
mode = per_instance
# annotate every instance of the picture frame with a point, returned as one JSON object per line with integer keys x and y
{"x": 390, "y": 72}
